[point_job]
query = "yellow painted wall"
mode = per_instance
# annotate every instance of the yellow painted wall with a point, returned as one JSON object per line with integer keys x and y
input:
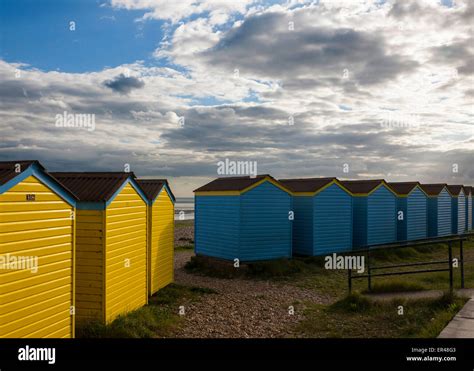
{"x": 89, "y": 264}
{"x": 126, "y": 242}
{"x": 37, "y": 304}
{"x": 161, "y": 249}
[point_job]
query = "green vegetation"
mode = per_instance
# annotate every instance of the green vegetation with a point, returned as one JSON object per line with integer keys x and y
{"x": 309, "y": 272}
{"x": 213, "y": 268}
{"x": 183, "y": 223}
{"x": 334, "y": 282}
{"x": 396, "y": 285}
{"x": 184, "y": 248}
{"x": 159, "y": 318}
{"x": 274, "y": 269}
{"x": 356, "y": 316}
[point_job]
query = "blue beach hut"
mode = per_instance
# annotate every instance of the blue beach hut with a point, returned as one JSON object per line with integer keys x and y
{"x": 468, "y": 194}
{"x": 412, "y": 223}
{"x": 374, "y": 212}
{"x": 458, "y": 209}
{"x": 439, "y": 209}
{"x": 243, "y": 218}
{"x": 323, "y": 216}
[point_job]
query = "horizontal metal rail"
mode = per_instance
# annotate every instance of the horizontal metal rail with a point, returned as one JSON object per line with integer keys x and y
{"x": 449, "y": 240}
{"x": 400, "y": 273}
{"x": 430, "y": 241}
{"x": 407, "y": 265}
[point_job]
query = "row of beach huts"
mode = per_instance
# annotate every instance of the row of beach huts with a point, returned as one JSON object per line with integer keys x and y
{"x": 262, "y": 218}
{"x": 79, "y": 246}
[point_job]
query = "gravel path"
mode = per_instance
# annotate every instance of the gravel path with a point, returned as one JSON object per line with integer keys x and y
{"x": 241, "y": 308}
{"x": 184, "y": 235}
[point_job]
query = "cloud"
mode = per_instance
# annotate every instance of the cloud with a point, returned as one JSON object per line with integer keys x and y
{"x": 123, "y": 84}
{"x": 218, "y": 11}
{"x": 291, "y": 106}
{"x": 263, "y": 45}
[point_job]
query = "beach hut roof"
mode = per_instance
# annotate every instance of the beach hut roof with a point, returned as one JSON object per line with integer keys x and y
{"x": 467, "y": 190}
{"x": 455, "y": 190}
{"x": 404, "y": 188}
{"x": 238, "y": 184}
{"x": 433, "y": 189}
{"x": 153, "y": 187}
{"x": 11, "y": 173}
{"x": 306, "y": 184}
{"x": 93, "y": 186}
{"x": 362, "y": 186}
{"x": 9, "y": 169}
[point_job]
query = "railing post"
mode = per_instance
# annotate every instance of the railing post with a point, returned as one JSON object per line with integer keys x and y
{"x": 450, "y": 253}
{"x": 369, "y": 278}
{"x": 462, "y": 262}
{"x": 349, "y": 279}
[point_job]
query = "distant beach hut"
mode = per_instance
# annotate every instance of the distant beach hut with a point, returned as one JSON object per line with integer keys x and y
{"x": 36, "y": 253}
{"x": 412, "y": 211}
{"x": 374, "y": 212}
{"x": 458, "y": 209}
{"x": 323, "y": 216}
{"x": 469, "y": 216}
{"x": 111, "y": 243}
{"x": 439, "y": 209}
{"x": 160, "y": 232}
{"x": 243, "y": 218}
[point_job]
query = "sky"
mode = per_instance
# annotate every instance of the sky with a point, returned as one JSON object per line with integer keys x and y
{"x": 348, "y": 88}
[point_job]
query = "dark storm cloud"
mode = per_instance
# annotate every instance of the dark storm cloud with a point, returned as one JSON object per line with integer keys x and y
{"x": 123, "y": 84}
{"x": 309, "y": 55}
{"x": 402, "y": 9}
{"x": 14, "y": 90}
{"x": 231, "y": 129}
{"x": 459, "y": 54}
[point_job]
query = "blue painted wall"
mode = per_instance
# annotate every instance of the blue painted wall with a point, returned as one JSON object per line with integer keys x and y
{"x": 265, "y": 229}
{"x": 472, "y": 213}
{"x": 303, "y": 225}
{"x": 402, "y": 230}
{"x": 432, "y": 212}
{"x": 359, "y": 221}
{"x": 469, "y": 214}
{"x": 216, "y": 222}
{"x": 381, "y": 217}
{"x": 444, "y": 215}
{"x": 417, "y": 225}
{"x": 459, "y": 214}
{"x": 454, "y": 215}
{"x": 332, "y": 221}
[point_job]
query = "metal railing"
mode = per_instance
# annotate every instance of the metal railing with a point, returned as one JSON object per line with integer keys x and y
{"x": 450, "y": 240}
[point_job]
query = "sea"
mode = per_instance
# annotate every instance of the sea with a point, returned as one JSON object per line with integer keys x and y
{"x": 184, "y": 208}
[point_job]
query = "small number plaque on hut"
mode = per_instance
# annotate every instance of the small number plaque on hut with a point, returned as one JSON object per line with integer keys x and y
{"x": 31, "y": 197}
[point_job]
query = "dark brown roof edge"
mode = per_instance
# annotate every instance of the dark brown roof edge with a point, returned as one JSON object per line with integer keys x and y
{"x": 433, "y": 189}
{"x": 152, "y": 192}
{"x": 90, "y": 186}
{"x": 225, "y": 184}
{"x": 298, "y": 185}
{"x": 455, "y": 189}
{"x": 403, "y": 188}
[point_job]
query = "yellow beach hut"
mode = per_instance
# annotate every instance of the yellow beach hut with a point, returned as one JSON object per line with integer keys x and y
{"x": 111, "y": 243}
{"x": 160, "y": 232}
{"x": 36, "y": 253}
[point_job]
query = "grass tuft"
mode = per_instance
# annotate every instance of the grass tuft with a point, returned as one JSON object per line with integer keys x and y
{"x": 396, "y": 286}
{"x": 354, "y": 302}
{"x": 157, "y": 319}
{"x": 276, "y": 269}
{"x": 356, "y": 316}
